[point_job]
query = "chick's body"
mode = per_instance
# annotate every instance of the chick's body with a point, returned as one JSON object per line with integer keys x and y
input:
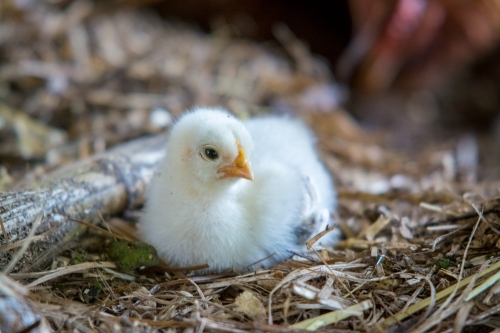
{"x": 202, "y": 210}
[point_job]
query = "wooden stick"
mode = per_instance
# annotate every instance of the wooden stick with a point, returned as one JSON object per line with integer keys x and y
{"x": 107, "y": 183}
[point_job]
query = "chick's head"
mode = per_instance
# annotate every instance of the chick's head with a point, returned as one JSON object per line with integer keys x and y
{"x": 210, "y": 145}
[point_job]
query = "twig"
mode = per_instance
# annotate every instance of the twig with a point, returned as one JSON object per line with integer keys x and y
{"x": 70, "y": 270}
{"x": 333, "y": 317}
{"x": 101, "y": 230}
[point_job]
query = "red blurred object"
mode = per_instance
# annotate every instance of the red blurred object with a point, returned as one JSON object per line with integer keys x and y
{"x": 416, "y": 43}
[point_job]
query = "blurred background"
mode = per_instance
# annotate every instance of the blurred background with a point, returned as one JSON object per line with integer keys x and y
{"x": 77, "y": 76}
{"x": 402, "y": 60}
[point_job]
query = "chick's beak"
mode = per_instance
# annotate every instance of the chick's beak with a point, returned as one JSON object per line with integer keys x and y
{"x": 239, "y": 168}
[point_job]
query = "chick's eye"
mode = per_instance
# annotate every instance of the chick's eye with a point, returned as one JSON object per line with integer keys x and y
{"x": 211, "y": 154}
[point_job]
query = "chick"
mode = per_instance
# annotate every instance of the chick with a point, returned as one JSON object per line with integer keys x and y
{"x": 231, "y": 193}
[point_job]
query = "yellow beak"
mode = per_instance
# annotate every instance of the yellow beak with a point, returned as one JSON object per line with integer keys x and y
{"x": 239, "y": 168}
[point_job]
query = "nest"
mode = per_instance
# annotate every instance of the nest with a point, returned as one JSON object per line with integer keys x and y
{"x": 422, "y": 233}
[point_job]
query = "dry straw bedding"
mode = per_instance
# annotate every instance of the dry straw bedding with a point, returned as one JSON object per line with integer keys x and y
{"x": 421, "y": 252}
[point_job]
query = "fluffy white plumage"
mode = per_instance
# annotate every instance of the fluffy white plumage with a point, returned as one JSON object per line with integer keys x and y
{"x": 203, "y": 207}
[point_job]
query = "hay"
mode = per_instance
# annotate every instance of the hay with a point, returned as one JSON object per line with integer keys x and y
{"x": 423, "y": 234}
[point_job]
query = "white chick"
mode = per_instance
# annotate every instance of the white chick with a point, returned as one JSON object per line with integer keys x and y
{"x": 230, "y": 194}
